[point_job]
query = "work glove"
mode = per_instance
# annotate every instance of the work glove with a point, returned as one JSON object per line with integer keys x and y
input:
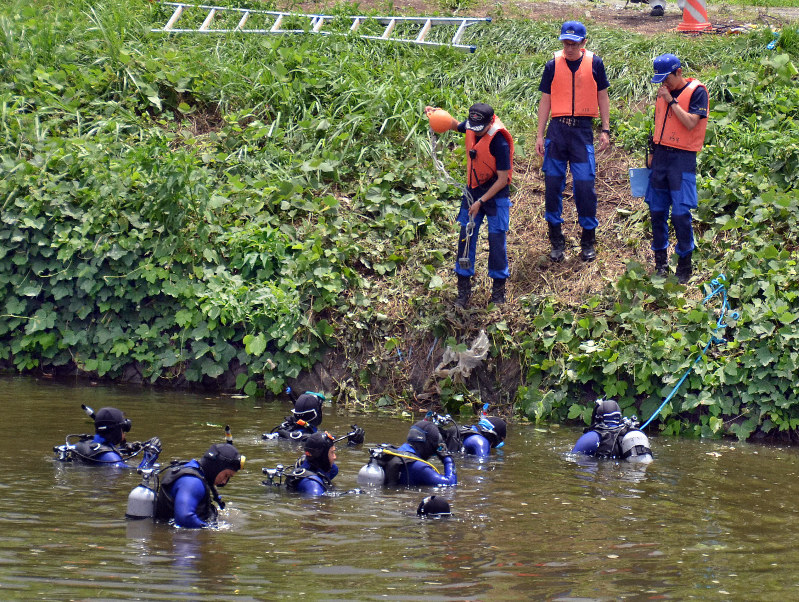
{"x": 357, "y": 435}
{"x": 442, "y": 452}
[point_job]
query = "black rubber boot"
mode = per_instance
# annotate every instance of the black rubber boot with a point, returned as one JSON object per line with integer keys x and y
{"x": 587, "y": 242}
{"x": 464, "y": 291}
{"x": 558, "y": 242}
{"x": 498, "y": 292}
{"x": 684, "y": 269}
{"x": 662, "y": 263}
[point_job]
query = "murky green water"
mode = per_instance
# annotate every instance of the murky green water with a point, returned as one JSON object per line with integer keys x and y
{"x": 706, "y": 520}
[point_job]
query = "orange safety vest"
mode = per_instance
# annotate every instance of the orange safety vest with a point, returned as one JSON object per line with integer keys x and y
{"x": 669, "y": 131}
{"x": 574, "y": 94}
{"x": 483, "y": 166}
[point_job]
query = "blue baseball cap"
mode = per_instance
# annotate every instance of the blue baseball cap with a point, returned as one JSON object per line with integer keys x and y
{"x": 665, "y": 64}
{"x": 573, "y": 31}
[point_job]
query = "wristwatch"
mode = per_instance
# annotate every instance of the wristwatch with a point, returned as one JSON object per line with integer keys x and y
{"x": 606, "y": 132}
{"x": 672, "y": 102}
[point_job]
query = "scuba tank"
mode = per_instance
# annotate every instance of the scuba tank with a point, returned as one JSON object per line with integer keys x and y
{"x": 372, "y": 473}
{"x": 635, "y": 447}
{"x": 141, "y": 500}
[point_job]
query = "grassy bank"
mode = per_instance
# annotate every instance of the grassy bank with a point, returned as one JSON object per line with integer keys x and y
{"x": 224, "y": 210}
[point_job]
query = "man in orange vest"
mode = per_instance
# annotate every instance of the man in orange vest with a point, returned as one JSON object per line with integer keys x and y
{"x": 681, "y": 111}
{"x": 574, "y": 90}
{"x": 489, "y": 163}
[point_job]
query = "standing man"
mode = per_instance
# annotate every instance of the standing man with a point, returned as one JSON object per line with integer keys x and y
{"x": 680, "y": 122}
{"x": 574, "y": 90}
{"x": 489, "y": 162}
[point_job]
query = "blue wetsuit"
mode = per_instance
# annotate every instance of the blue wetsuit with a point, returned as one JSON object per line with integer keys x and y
{"x": 477, "y": 445}
{"x": 189, "y": 492}
{"x": 314, "y": 484}
{"x": 108, "y": 458}
{"x": 419, "y": 473}
{"x": 587, "y": 444}
{"x": 100, "y": 452}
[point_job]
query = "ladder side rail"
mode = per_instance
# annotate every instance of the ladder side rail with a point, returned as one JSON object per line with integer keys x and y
{"x": 464, "y": 47}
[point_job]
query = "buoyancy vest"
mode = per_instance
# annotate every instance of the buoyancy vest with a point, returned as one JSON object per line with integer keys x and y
{"x": 165, "y": 503}
{"x": 669, "y": 130}
{"x": 87, "y": 450}
{"x": 299, "y": 473}
{"x": 481, "y": 165}
{"x": 610, "y": 440}
{"x": 574, "y": 94}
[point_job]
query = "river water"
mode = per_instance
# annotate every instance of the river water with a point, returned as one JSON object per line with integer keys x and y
{"x": 707, "y": 520}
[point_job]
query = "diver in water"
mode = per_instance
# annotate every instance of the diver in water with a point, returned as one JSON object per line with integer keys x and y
{"x": 408, "y": 464}
{"x": 612, "y": 436}
{"x": 433, "y": 506}
{"x": 188, "y": 490}
{"x": 315, "y": 470}
{"x": 108, "y": 446}
{"x": 477, "y": 440}
{"x": 305, "y": 417}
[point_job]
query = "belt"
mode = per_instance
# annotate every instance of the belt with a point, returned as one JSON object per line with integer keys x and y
{"x": 574, "y": 122}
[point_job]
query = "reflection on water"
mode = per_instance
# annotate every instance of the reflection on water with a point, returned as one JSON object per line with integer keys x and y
{"x": 709, "y": 520}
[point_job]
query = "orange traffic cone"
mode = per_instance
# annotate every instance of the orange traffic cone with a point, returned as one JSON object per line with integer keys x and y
{"x": 694, "y": 17}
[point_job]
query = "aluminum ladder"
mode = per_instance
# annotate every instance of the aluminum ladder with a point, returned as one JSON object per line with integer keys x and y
{"x": 201, "y": 19}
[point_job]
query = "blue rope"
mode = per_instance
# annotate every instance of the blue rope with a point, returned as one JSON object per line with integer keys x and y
{"x": 718, "y": 289}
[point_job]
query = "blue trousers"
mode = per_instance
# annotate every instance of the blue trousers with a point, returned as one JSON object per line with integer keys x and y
{"x": 572, "y": 146}
{"x": 498, "y": 226}
{"x": 671, "y": 190}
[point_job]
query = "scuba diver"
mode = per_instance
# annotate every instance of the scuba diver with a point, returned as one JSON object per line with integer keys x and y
{"x": 477, "y": 440}
{"x": 408, "y": 464}
{"x": 186, "y": 490}
{"x": 305, "y": 417}
{"x": 612, "y": 436}
{"x": 108, "y": 446}
{"x": 433, "y": 506}
{"x": 315, "y": 470}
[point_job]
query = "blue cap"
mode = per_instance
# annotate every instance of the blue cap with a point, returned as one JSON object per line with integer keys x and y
{"x": 573, "y": 30}
{"x": 665, "y": 64}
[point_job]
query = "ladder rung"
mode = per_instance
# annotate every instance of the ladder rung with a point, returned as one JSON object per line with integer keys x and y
{"x": 389, "y": 28}
{"x": 207, "y": 23}
{"x": 423, "y": 32}
{"x": 175, "y": 16}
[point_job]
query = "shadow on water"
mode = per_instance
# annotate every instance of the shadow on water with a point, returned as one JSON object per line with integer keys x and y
{"x": 708, "y": 520}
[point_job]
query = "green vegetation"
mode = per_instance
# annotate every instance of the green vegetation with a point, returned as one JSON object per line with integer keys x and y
{"x": 223, "y": 209}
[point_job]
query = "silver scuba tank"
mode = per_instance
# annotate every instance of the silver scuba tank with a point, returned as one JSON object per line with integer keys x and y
{"x": 635, "y": 447}
{"x": 372, "y": 474}
{"x": 141, "y": 500}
